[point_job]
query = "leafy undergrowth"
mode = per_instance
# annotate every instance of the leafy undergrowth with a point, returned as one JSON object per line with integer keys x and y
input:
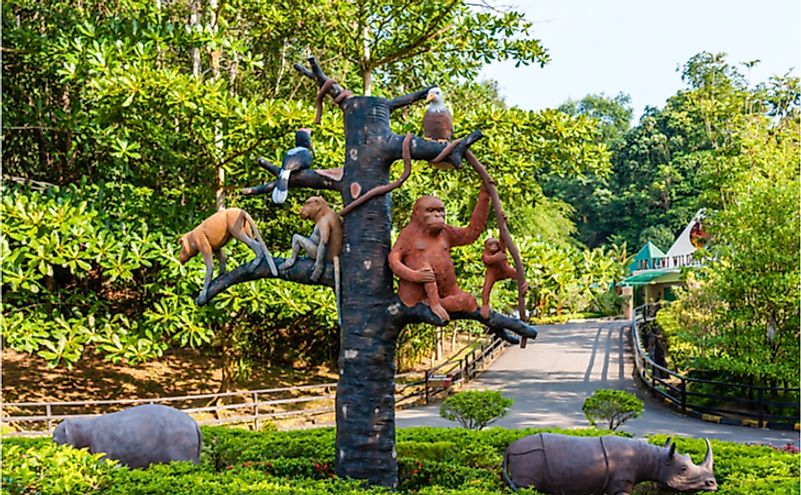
{"x": 431, "y": 461}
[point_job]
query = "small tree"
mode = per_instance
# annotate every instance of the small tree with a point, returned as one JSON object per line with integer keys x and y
{"x": 612, "y": 406}
{"x": 475, "y": 409}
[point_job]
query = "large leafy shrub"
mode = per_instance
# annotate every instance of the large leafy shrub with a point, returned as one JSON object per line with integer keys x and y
{"x": 613, "y": 407}
{"x": 431, "y": 461}
{"x": 95, "y": 267}
{"x": 475, "y": 409}
{"x": 44, "y": 467}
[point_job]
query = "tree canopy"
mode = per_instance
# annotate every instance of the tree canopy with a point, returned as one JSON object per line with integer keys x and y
{"x": 146, "y": 102}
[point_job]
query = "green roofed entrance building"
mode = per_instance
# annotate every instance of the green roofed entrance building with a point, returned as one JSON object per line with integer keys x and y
{"x": 652, "y": 272}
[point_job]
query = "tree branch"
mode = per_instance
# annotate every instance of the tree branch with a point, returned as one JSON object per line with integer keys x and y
{"x": 427, "y": 35}
{"x": 316, "y": 73}
{"x": 500, "y": 325}
{"x": 432, "y": 151}
{"x": 406, "y": 100}
{"x": 301, "y": 178}
{"x": 300, "y": 272}
{"x": 239, "y": 153}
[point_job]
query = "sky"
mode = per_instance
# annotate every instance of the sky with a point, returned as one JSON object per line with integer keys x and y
{"x": 635, "y": 46}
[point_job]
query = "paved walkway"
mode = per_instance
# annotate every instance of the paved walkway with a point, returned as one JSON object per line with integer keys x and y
{"x": 552, "y": 376}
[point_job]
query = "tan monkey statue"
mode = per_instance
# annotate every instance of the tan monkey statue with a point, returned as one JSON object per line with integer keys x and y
{"x": 214, "y": 232}
{"x": 325, "y": 242}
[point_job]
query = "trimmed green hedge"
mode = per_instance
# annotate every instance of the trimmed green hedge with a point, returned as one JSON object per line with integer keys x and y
{"x": 431, "y": 461}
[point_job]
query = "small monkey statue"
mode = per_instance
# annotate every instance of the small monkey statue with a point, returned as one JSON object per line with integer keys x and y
{"x": 498, "y": 268}
{"x": 325, "y": 242}
{"x": 214, "y": 232}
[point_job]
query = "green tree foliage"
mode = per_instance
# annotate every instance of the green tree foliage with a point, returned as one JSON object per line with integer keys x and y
{"x": 138, "y": 93}
{"x": 740, "y": 318}
{"x": 674, "y": 160}
{"x": 660, "y": 235}
{"x": 613, "y": 407}
{"x": 589, "y": 193}
{"x": 613, "y": 114}
{"x": 408, "y": 45}
{"x": 475, "y": 409}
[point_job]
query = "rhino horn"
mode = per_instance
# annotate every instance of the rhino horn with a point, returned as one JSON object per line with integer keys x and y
{"x": 667, "y": 442}
{"x": 671, "y": 452}
{"x": 708, "y": 459}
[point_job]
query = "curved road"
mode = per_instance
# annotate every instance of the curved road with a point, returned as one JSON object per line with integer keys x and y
{"x": 552, "y": 376}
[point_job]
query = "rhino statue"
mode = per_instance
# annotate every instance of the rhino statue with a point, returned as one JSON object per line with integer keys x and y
{"x": 568, "y": 465}
{"x": 136, "y": 437}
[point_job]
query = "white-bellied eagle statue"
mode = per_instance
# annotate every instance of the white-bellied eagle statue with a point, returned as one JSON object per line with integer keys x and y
{"x": 438, "y": 121}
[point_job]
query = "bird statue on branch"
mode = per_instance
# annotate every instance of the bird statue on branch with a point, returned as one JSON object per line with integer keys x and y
{"x": 298, "y": 158}
{"x": 438, "y": 121}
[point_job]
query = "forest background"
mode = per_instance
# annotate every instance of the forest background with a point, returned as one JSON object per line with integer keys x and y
{"x": 126, "y": 123}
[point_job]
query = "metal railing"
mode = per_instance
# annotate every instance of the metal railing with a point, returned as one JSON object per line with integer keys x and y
{"x": 453, "y": 372}
{"x": 252, "y": 407}
{"x": 741, "y": 404}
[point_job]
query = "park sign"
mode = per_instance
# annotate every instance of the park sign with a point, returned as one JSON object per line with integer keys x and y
{"x": 652, "y": 267}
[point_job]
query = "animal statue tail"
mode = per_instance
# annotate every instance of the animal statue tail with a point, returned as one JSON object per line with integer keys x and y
{"x": 505, "y": 473}
{"x": 407, "y": 169}
{"x": 503, "y": 230}
{"x": 257, "y": 236}
{"x": 336, "y": 290}
{"x": 199, "y": 442}
{"x": 281, "y": 190}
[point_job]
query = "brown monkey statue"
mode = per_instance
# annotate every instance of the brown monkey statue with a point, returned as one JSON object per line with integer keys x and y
{"x": 214, "y": 232}
{"x": 421, "y": 257}
{"x": 325, "y": 242}
{"x": 498, "y": 268}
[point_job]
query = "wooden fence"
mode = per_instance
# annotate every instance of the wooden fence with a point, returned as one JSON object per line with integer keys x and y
{"x": 253, "y": 407}
{"x": 736, "y": 403}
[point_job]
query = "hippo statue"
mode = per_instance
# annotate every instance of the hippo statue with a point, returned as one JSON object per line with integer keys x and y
{"x": 568, "y": 465}
{"x": 136, "y": 437}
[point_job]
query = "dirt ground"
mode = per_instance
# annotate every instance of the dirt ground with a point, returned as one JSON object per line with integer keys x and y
{"x": 183, "y": 372}
{"x": 27, "y": 378}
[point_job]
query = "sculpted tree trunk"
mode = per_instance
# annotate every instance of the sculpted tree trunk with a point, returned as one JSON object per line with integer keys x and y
{"x": 371, "y": 313}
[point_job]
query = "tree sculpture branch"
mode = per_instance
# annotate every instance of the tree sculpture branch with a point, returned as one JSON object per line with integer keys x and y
{"x": 501, "y": 325}
{"x": 318, "y": 75}
{"x": 337, "y": 92}
{"x": 406, "y": 100}
{"x": 301, "y": 178}
{"x": 300, "y": 272}
{"x": 436, "y": 152}
{"x": 453, "y": 151}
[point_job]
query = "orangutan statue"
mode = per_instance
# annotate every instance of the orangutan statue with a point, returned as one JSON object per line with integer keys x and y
{"x": 421, "y": 257}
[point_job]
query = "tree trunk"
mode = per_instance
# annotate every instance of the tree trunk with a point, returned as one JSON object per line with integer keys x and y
{"x": 194, "y": 23}
{"x": 365, "y": 404}
{"x": 219, "y": 171}
{"x": 367, "y": 71}
{"x": 367, "y": 80}
{"x": 371, "y": 313}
